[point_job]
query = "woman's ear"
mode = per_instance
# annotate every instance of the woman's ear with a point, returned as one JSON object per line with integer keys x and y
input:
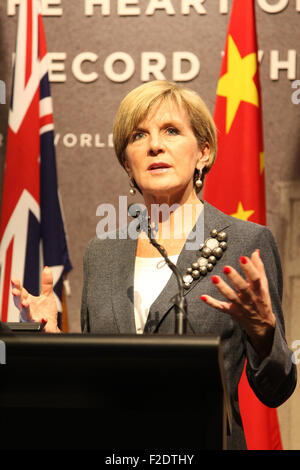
{"x": 125, "y": 163}
{"x": 204, "y": 156}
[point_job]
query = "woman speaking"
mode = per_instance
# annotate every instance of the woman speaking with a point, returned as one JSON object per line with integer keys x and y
{"x": 165, "y": 139}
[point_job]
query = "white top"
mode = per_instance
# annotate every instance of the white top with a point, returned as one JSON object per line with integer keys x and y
{"x": 150, "y": 277}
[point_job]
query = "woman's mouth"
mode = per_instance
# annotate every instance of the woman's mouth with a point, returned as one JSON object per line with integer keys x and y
{"x": 158, "y": 167}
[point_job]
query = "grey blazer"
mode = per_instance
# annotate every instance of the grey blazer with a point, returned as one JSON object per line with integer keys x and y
{"x": 107, "y": 307}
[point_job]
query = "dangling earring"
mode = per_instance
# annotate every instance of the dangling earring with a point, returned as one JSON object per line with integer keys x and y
{"x": 132, "y": 189}
{"x": 198, "y": 181}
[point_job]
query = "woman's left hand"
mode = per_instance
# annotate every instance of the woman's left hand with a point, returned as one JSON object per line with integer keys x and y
{"x": 249, "y": 303}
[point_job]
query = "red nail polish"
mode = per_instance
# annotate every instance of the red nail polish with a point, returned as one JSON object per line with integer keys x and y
{"x": 243, "y": 260}
{"x": 215, "y": 279}
{"x": 202, "y": 297}
{"x": 258, "y": 251}
{"x": 226, "y": 270}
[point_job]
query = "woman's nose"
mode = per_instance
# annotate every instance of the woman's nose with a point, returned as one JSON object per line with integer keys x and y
{"x": 156, "y": 144}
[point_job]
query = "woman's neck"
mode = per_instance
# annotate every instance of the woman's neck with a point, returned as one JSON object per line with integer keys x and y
{"x": 172, "y": 221}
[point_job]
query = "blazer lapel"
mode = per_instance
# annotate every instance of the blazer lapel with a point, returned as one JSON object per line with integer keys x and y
{"x": 213, "y": 219}
{"x": 122, "y": 285}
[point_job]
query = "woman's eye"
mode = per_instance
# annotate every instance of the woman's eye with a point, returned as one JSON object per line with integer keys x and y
{"x": 172, "y": 131}
{"x": 137, "y": 136}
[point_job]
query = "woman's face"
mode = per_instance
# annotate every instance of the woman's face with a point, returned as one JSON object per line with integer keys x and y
{"x": 163, "y": 153}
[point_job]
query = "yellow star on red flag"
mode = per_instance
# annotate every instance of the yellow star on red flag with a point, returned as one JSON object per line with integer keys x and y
{"x": 237, "y": 84}
{"x": 241, "y": 213}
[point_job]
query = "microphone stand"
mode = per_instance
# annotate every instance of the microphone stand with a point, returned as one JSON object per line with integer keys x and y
{"x": 180, "y": 301}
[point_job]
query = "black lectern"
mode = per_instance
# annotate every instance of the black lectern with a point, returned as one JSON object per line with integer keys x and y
{"x": 74, "y": 391}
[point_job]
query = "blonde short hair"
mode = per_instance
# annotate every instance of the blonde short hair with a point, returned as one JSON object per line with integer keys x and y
{"x": 135, "y": 107}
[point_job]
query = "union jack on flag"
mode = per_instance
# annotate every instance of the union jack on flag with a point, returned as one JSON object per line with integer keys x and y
{"x": 31, "y": 228}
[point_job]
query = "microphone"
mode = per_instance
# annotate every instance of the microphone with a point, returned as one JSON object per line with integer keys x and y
{"x": 180, "y": 300}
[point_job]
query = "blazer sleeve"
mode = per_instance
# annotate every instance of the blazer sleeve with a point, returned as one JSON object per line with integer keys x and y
{"x": 274, "y": 378}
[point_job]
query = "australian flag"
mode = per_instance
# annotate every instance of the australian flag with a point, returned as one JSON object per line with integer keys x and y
{"x": 32, "y": 231}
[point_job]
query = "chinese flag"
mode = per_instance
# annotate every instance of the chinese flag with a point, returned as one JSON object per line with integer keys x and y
{"x": 235, "y": 184}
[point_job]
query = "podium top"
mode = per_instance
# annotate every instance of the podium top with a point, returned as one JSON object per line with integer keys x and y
{"x": 96, "y": 342}
{"x": 203, "y": 354}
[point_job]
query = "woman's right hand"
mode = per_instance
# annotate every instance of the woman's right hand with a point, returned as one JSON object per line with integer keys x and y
{"x": 38, "y": 308}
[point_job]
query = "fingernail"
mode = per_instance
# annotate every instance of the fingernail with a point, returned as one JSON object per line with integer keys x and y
{"x": 202, "y": 297}
{"x": 243, "y": 260}
{"x": 43, "y": 320}
{"x": 226, "y": 270}
{"x": 215, "y": 279}
{"x": 258, "y": 252}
